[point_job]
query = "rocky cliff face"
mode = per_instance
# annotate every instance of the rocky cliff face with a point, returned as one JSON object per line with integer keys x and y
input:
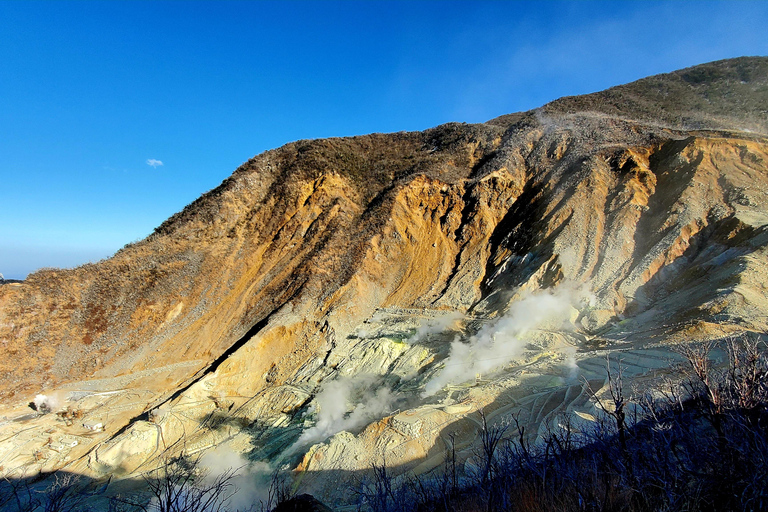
{"x": 413, "y": 278}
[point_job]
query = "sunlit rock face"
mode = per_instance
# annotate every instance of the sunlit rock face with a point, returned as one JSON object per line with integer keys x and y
{"x": 340, "y": 302}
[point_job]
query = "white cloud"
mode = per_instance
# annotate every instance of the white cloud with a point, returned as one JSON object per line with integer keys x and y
{"x": 154, "y": 163}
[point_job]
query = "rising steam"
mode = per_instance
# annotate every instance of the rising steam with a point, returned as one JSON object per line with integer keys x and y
{"x": 502, "y": 340}
{"x": 46, "y": 403}
{"x": 346, "y": 404}
{"x": 251, "y": 480}
{"x": 436, "y": 325}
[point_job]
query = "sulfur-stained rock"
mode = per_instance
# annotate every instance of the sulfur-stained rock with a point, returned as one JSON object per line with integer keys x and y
{"x": 415, "y": 274}
{"x": 124, "y": 454}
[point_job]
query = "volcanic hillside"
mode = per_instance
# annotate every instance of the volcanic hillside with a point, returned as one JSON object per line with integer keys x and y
{"x": 420, "y": 277}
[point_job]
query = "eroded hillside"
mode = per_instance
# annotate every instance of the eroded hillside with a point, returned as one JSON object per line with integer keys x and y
{"x": 366, "y": 265}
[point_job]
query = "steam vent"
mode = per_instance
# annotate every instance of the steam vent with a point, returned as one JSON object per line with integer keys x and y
{"x": 341, "y": 305}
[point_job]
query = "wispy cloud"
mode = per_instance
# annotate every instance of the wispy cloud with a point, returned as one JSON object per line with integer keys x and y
{"x": 154, "y": 163}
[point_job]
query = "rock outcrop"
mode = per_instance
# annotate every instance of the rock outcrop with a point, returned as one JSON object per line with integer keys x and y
{"x": 361, "y": 261}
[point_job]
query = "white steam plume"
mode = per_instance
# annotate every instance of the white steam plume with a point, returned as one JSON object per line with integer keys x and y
{"x": 570, "y": 363}
{"x": 346, "y": 404}
{"x": 500, "y": 341}
{"x": 46, "y": 403}
{"x": 436, "y": 325}
{"x": 251, "y": 480}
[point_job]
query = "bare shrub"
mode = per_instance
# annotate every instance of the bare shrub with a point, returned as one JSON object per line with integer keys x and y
{"x": 17, "y": 496}
{"x": 697, "y": 445}
{"x": 181, "y": 485}
{"x": 279, "y": 491}
{"x": 65, "y": 493}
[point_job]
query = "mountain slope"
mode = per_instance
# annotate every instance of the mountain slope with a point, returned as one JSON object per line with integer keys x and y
{"x": 360, "y": 261}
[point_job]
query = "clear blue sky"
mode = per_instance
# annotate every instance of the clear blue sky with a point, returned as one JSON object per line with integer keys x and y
{"x": 92, "y": 93}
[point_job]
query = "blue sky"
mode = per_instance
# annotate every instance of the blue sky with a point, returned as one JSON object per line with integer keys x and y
{"x": 92, "y": 93}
